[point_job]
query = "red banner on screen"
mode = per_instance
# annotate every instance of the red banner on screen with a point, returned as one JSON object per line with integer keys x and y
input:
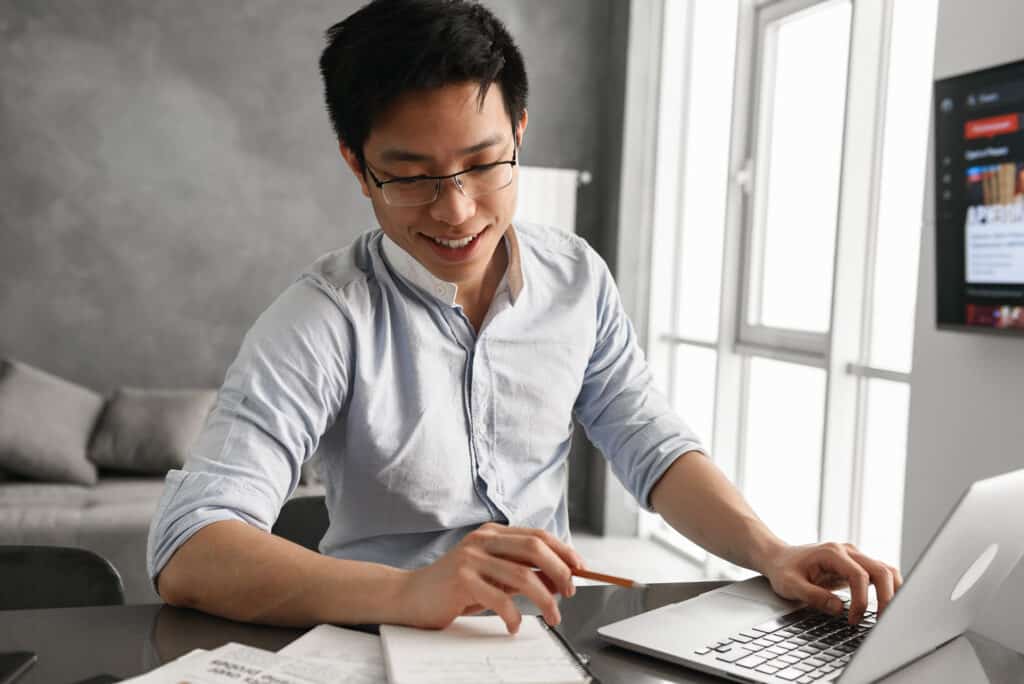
{"x": 991, "y": 126}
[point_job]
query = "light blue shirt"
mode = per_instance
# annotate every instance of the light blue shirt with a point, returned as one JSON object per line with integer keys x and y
{"x": 425, "y": 428}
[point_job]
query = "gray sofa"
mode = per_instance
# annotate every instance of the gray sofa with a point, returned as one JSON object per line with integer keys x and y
{"x": 78, "y": 469}
{"x": 111, "y": 518}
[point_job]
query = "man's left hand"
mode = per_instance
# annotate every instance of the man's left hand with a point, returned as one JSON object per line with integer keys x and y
{"x": 809, "y": 573}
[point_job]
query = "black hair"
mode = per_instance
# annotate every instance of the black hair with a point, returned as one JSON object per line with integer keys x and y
{"x": 392, "y": 47}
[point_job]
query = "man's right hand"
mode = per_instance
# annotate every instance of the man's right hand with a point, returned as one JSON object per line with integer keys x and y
{"x": 484, "y": 570}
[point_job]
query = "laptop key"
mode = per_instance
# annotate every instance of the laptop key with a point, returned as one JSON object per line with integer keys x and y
{"x": 790, "y": 674}
{"x": 732, "y": 655}
{"x": 702, "y": 651}
{"x": 779, "y": 622}
{"x": 751, "y": 662}
{"x": 805, "y": 680}
{"x": 766, "y": 669}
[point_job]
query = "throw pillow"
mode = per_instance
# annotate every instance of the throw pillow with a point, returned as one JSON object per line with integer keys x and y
{"x": 45, "y": 423}
{"x": 149, "y": 431}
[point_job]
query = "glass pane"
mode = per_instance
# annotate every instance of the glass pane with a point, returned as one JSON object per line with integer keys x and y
{"x": 664, "y": 269}
{"x": 693, "y": 389}
{"x": 802, "y": 103}
{"x": 693, "y": 398}
{"x": 903, "y": 173}
{"x": 705, "y": 173}
{"x": 669, "y": 535}
{"x": 885, "y": 452}
{"x": 783, "y": 441}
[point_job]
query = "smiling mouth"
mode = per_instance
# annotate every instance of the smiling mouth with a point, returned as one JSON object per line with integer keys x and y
{"x": 453, "y": 244}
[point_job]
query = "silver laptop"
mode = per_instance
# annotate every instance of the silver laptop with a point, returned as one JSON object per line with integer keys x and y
{"x": 745, "y": 632}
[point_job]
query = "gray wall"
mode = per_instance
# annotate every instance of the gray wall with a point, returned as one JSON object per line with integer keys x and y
{"x": 966, "y": 403}
{"x": 168, "y": 168}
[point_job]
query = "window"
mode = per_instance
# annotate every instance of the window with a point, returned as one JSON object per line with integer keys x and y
{"x": 787, "y": 214}
{"x": 798, "y": 123}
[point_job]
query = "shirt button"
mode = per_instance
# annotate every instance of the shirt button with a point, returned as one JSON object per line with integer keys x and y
{"x": 440, "y": 291}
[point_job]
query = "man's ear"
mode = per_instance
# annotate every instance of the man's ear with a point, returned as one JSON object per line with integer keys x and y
{"x": 353, "y": 164}
{"x": 521, "y": 128}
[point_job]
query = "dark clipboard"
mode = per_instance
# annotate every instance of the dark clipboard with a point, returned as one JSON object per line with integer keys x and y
{"x": 15, "y": 664}
{"x": 581, "y": 660}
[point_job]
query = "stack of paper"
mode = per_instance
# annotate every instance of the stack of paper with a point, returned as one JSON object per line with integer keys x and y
{"x": 349, "y": 657}
{"x": 471, "y": 649}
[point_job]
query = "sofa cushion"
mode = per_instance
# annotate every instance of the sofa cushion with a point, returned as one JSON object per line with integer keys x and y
{"x": 149, "y": 431}
{"x": 45, "y": 423}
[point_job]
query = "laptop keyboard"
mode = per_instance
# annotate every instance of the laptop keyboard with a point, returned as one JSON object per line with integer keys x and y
{"x": 804, "y": 646}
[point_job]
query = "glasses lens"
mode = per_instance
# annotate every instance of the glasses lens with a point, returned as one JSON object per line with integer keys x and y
{"x": 487, "y": 179}
{"x": 409, "y": 193}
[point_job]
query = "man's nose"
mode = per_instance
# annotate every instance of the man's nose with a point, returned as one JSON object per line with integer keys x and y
{"x": 452, "y": 206}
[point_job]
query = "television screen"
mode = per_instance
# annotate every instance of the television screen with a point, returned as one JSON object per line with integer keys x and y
{"x": 979, "y": 199}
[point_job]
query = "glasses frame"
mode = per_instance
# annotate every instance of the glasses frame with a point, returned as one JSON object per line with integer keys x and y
{"x": 454, "y": 177}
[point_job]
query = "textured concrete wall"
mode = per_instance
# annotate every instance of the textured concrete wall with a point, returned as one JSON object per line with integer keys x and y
{"x": 169, "y": 167}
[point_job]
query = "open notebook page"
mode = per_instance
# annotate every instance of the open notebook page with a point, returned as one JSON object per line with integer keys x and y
{"x": 479, "y": 650}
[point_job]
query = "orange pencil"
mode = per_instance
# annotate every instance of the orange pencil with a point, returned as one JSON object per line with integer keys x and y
{"x": 601, "y": 577}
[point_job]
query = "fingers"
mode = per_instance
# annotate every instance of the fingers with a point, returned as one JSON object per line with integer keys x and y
{"x": 897, "y": 577}
{"x": 883, "y": 576}
{"x": 859, "y": 571}
{"x": 563, "y": 550}
{"x": 819, "y": 598}
{"x": 858, "y": 579}
{"x": 531, "y": 550}
{"x": 523, "y": 580}
{"x": 491, "y": 597}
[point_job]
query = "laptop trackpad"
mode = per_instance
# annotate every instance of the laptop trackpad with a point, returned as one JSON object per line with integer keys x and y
{"x": 723, "y": 614}
{"x": 681, "y": 627}
{"x": 759, "y": 589}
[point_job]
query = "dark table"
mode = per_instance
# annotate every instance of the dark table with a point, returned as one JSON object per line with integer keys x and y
{"x": 75, "y": 643}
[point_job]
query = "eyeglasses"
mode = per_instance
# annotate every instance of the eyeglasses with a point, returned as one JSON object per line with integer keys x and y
{"x": 477, "y": 181}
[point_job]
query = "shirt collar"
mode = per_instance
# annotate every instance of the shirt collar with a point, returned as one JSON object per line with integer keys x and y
{"x": 416, "y": 273}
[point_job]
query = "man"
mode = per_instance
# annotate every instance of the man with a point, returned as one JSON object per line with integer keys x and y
{"x": 437, "y": 364}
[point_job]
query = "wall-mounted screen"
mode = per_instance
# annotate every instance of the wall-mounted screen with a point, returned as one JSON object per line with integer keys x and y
{"x": 979, "y": 200}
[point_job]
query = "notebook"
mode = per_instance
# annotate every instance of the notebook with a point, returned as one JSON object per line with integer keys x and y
{"x": 480, "y": 649}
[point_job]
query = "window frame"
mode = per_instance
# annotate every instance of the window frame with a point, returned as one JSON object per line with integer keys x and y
{"x": 751, "y": 180}
{"x": 844, "y": 351}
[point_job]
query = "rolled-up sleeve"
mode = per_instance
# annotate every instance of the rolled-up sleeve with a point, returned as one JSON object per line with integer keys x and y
{"x": 279, "y": 396}
{"x": 622, "y": 413}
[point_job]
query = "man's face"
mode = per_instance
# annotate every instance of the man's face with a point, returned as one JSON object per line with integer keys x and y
{"x": 435, "y": 133}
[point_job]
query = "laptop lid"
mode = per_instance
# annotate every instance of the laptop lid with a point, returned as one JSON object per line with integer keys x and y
{"x": 960, "y": 571}
{"x": 970, "y": 556}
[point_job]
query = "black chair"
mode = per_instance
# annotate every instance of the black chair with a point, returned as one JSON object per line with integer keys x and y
{"x": 56, "y": 577}
{"x": 303, "y": 520}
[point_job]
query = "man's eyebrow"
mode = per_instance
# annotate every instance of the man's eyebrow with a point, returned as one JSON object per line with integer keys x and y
{"x": 399, "y": 155}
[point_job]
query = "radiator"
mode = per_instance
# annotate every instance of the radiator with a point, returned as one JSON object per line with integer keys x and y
{"x": 548, "y": 196}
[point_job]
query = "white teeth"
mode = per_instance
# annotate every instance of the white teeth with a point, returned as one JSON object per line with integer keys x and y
{"x": 455, "y": 244}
